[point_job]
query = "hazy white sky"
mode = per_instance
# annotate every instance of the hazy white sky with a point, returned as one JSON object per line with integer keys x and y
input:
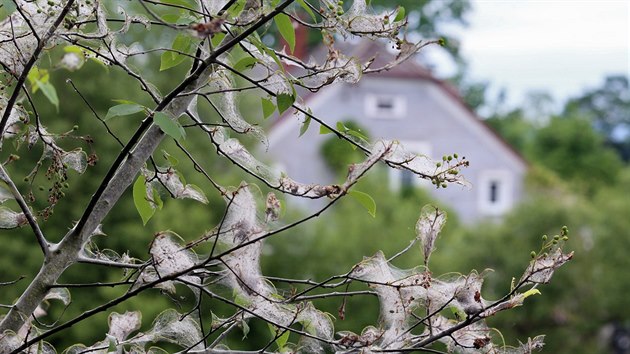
{"x": 560, "y": 46}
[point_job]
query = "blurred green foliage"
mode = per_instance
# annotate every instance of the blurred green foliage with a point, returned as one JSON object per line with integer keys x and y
{"x": 338, "y": 153}
{"x": 608, "y": 107}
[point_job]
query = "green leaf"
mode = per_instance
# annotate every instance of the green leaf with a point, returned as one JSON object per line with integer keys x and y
{"x": 400, "y": 15}
{"x": 182, "y": 43}
{"x": 49, "y": 91}
{"x": 169, "y": 126}
{"x": 364, "y": 199}
{"x": 170, "y": 158}
{"x": 307, "y": 9}
{"x": 157, "y": 200}
{"x": 531, "y": 292}
{"x": 285, "y": 101}
{"x": 282, "y": 340}
{"x": 245, "y": 328}
{"x": 8, "y": 7}
{"x": 323, "y": 130}
{"x": 44, "y": 76}
{"x": 273, "y": 56}
{"x": 460, "y": 315}
{"x": 237, "y": 8}
{"x": 245, "y": 63}
{"x": 285, "y": 26}
{"x": 140, "y": 200}
{"x": 73, "y": 49}
{"x": 111, "y": 348}
{"x": 99, "y": 62}
{"x": 187, "y": 20}
{"x": 240, "y": 300}
{"x": 33, "y": 76}
{"x": 217, "y": 39}
{"x": 255, "y": 40}
{"x": 171, "y": 18}
{"x": 187, "y": 3}
{"x": 123, "y": 101}
{"x": 356, "y": 134}
{"x": 341, "y": 127}
{"x": 36, "y": 77}
{"x": 169, "y": 60}
{"x": 200, "y": 196}
{"x": 305, "y": 125}
{"x": 268, "y": 107}
{"x": 124, "y": 109}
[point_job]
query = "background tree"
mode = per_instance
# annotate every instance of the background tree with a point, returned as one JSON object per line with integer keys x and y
{"x": 181, "y": 80}
{"x": 577, "y": 177}
{"x": 608, "y": 108}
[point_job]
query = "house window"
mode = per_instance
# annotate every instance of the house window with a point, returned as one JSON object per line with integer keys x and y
{"x": 494, "y": 192}
{"x": 385, "y": 106}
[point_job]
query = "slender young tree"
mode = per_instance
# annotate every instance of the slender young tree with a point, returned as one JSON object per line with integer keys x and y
{"x": 214, "y": 51}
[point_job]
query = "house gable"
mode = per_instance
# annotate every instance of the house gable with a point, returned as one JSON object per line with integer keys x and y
{"x": 423, "y": 113}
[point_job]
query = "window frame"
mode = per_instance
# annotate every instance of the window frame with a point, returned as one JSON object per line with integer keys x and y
{"x": 498, "y": 185}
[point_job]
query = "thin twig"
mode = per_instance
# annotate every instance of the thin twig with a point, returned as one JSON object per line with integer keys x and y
{"x": 39, "y": 235}
{"x": 108, "y": 263}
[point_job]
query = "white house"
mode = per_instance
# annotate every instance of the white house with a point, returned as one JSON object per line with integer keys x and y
{"x": 426, "y": 115}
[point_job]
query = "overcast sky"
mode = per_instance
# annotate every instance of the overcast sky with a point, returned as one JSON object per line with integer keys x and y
{"x": 560, "y": 46}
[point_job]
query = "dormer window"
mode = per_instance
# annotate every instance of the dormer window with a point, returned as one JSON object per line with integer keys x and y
{"x": 382, "y": 106}
{"x": 385, "y": 104}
